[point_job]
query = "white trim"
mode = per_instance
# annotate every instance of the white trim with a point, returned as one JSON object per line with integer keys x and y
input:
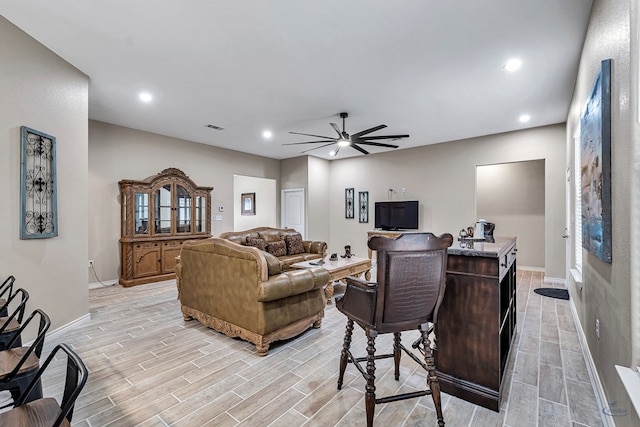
{"x": 631, "y": 381}
{"x": 601, "y": 397}
{"x": 71, "y": 325}
{"x": 557, "y": 280}
{"x": 98, "y": 285}
{"x": 528, "y": 268}
{"x": 576, "y": 277}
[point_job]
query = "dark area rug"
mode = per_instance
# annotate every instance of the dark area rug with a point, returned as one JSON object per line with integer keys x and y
{"x": 553, "y": 293}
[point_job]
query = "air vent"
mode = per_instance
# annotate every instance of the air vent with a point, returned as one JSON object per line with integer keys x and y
{"x": 214, "y": 127}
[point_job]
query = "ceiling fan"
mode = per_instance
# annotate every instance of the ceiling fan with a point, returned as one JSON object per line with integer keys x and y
{"x": 354, "y": 140}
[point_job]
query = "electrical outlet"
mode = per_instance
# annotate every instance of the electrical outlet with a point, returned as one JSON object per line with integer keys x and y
{"x": 598, "y": 328}
{"x": 90, "y": 263}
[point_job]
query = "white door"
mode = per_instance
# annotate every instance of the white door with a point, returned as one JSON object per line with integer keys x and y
{"x": 292, "y": 208}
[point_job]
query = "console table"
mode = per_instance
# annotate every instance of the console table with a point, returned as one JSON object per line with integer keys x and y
{"x": 339, "y": 269}
{"x": 477, "y": 320}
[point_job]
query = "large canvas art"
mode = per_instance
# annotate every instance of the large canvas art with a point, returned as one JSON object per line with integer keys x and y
{"x": 595, "y": 145}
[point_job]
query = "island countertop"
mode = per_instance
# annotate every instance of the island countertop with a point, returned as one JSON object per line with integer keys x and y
{"x": 494, "y": 249}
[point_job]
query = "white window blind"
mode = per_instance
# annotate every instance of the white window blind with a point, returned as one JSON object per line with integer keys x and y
{"x": 577, "y": 223}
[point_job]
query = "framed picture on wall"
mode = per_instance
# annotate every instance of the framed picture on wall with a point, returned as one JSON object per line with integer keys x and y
{"x": 38, "y": 194}
{"x": 248, "y": 204}
{"x": 348, "y": 203}
{"x": 363, "y": 205}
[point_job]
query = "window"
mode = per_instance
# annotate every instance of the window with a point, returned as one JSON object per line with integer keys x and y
{"x": 577, "y": 213}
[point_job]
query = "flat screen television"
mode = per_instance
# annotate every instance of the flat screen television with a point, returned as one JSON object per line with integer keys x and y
{"x": 399, "y": 215}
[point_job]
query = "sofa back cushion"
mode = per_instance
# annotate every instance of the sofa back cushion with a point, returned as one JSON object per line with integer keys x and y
{"x": 277, "y": 248}
{"x": 294, "y": 244}
{"x": 272, "y": 235}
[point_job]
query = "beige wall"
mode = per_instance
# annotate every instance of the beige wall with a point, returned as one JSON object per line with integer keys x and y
{"x": 511, "y": 195}
{"x": 442, "y": 177}
{"x": 312, "y": 174}
{"x": 265, "y": 200}
{"x": 41, "y": 91}
{"x": 318, "y": 225}
{"x": 117, "y": 153}
{"x": 606, "y": 293}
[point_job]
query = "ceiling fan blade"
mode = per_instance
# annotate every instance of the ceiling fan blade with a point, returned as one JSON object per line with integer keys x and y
{"x": 331, "y": 141}
{"x": 360, "y": 149}
{"x": 336, "y": 128}
{"x": 377, "y": 144}
{"x": 374, "y": 138}
{"x": 315, "y": 148}
{"x": 309, "y": 134}
{"x": 335, "y": 153}
{"x": 373, "y": 129}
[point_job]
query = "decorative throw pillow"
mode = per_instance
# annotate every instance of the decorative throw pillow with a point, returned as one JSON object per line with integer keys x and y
{"x": 277, "y": 248}
{"x": 294, "y": 244}
{"x": 257, "y": 243}
{"x": 273, "y": 264}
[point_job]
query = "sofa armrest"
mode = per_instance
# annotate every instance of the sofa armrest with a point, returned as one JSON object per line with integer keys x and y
{"x": 314, "y": 247}
{"x": 293, "y": 282}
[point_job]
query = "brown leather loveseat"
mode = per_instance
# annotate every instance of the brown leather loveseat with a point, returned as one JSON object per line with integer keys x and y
{"x": 275, "y": 240}
{"x": 242, "y": 291}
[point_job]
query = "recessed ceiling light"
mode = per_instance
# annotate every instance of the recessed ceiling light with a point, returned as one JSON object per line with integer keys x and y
{"x": 267, "y": 134}
{"x": 145, "y": 97}
{"x": 512, "y": 65}
{"x": 524, "y": 118}
{"x": 332, "y": 152}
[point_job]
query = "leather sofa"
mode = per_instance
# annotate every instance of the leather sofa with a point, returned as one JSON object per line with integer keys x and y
{"x": 310, "y": 250}
{"x": 242, "y": 291}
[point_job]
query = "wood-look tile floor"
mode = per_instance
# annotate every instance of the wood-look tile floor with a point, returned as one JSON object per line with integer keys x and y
{"x": 148, "y": 367}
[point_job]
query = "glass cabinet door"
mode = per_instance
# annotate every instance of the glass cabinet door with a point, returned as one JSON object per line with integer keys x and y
{"x": 162, "y": 212}
{"x": 141, "y": 214}
{"x": 183, "y": 205}
{"x": 201, "y": 214}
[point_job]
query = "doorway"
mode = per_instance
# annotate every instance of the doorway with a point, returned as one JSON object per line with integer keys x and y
{"x": 512, "y": 195}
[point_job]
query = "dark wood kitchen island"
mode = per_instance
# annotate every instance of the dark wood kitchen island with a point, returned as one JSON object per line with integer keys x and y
{"x": 477, "y": 320}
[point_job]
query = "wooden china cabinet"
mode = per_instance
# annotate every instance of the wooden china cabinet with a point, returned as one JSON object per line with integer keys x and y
{"x": 158, "y": 215}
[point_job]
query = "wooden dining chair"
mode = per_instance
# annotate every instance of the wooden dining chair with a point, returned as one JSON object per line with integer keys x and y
{"x": 6, "y": 289}
{"x": 47, "y": 412}
{"x": 19, "y": 365}
{"x": 11, "y": 324}
{"x": 406, "y": 296}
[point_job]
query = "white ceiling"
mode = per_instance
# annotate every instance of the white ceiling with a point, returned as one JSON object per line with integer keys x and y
{"x": 431, "y": 69}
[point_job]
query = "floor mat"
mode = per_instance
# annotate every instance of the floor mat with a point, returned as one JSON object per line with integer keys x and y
{"x": 553, "y": 293}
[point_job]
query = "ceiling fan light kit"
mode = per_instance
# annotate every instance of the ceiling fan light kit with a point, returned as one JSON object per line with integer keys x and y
{"x": 346, "y": 140}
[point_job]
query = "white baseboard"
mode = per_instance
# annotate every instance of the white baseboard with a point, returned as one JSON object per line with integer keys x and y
{"x": 71, "y": 325}
{"x": 97, "y": 285}
{"x": 528, "y": 268}
{"x": 601, "y": 397}
{"x": 558, "y": 280}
